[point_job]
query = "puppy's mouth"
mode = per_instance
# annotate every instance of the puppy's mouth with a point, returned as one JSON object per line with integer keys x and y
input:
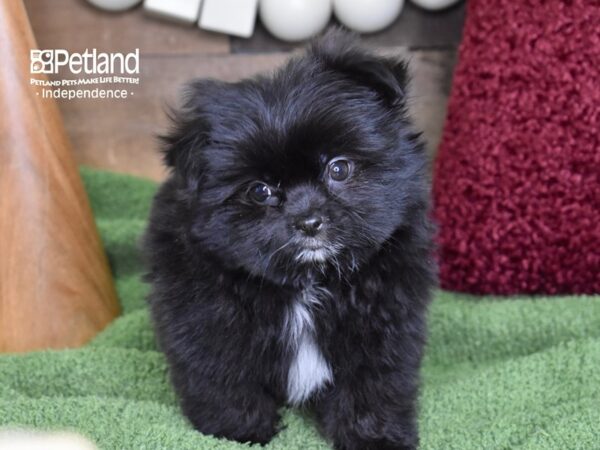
{"x": 311, "y": 243}
{"x": 313, "y": 250}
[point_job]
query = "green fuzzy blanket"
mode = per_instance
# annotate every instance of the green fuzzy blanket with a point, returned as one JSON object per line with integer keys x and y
{"x": 520, "y": 373}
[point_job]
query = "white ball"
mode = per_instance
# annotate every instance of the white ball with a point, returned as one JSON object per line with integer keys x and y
{"x": 114, "y": 5}
{"x": 295, "y": 20}
{"x": 434, "y": 5}
{"x": 367, "y": 16}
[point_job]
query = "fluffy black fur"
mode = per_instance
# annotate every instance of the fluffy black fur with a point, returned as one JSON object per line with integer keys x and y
{"x": 227, "y": 271}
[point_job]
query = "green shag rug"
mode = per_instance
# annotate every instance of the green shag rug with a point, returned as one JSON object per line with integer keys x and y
{"x": 517, "y": 373}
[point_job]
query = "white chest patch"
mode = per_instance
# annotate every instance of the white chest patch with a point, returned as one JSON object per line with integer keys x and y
{"x": 308, "y": 370}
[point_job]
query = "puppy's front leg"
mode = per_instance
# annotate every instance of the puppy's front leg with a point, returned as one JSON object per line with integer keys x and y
{"x": 368, "y": 411}
{"x": 244, "y": 412}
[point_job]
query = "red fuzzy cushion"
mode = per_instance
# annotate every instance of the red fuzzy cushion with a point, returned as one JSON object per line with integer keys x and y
{"x": 517, "y": 179}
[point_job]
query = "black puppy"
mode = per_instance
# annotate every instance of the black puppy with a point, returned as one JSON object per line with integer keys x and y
{"x": 290, "y": 250}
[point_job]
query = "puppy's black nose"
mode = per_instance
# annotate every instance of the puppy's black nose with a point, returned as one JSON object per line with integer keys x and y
{"x": 310, "y": 225}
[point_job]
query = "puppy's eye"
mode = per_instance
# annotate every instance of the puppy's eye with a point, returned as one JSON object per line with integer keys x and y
{"x": 261, "y": 194}
{"x": 339, "y": 169}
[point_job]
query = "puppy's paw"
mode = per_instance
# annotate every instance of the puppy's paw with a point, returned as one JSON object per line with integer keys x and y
{"x": 257, "y": 426}
{"x": 261, "y": 434}
{"x": 377, "y": 444}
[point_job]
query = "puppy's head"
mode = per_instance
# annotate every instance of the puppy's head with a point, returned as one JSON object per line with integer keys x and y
{"x": 314, "y": 166}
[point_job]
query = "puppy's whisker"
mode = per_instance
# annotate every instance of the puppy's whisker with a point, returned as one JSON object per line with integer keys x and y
{"x": 269, "y": 259}
{"x": 336, "y": 264}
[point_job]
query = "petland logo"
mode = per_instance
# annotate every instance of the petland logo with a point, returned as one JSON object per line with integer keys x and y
{"x": 88, "y": 75}
{"x": 88, "y": 62}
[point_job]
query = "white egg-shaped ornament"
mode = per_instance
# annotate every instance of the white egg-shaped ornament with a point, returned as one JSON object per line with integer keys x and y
{"x": 434, "y": 5}
{"x": 367, "y": 16}
{"x": 295, "y": 20}
{"x": 114, "y": 5}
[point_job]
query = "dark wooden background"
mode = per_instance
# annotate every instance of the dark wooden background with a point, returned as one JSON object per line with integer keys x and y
{"x": 120, "y": 135}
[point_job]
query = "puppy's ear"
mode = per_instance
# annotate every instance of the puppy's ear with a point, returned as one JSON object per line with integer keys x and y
{"x": 190, "y": 129}
{"x": 339, "y": 51}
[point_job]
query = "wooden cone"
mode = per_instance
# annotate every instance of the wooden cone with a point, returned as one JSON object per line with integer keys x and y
{"x": 56, "y": 290}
